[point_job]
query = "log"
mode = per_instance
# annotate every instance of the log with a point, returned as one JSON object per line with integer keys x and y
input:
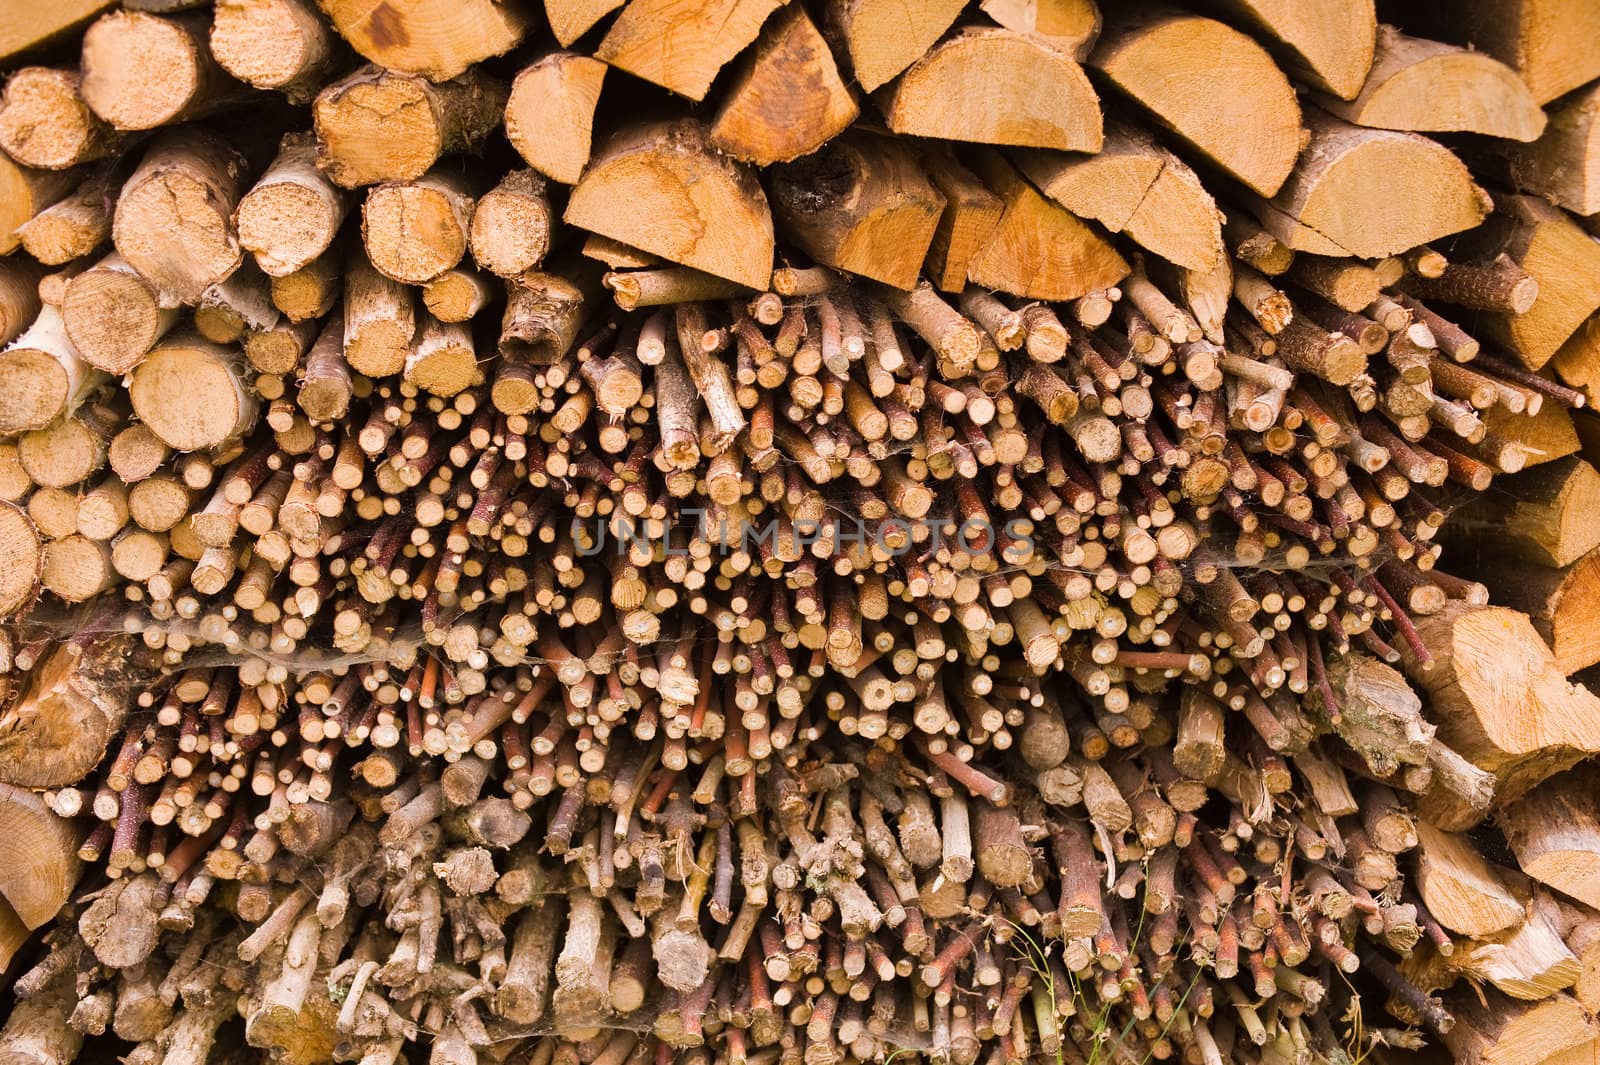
{"x": 438, "y": 39}
{"x": 1552, "y": 832}
{"x": 1505, "y": 706}
{"x": 73, "y": 226}
{"x": 37, "y": 1032}
{"x": 41, "y": 857}
{"x": 1039, "y": 250}
{"x": 193, "y": 394}
{"x": 174, "y": 218}
{"x": 413, "y": 231}
{"x": 113, "y": 317}
{"x": 882, "y": 38}
{"x": 1546, "y": 519}
{"x": 273, "y": 44}
{"x": 1069, "y": 26}
{"x": 31, "y": 26}
{"x": 549, "y": 116}
{"x": 511, "y": 224}
{"x": 377, "y": 125}
{"x": 46, "y": 377}
{"x": 1539, "y": 39}
{"x": 1550, "y": 248}
{"x": 59, "y": 728}
{"x": 1211, "y": 85}
{"x": 1563, "y": 165}
{"x": 787, "y": 99}
{"x": 45, "y": 123}
{"x": 1329, "y": 43}
{"x": 970, "y": 214}
{"x": 24, "y": 193}
{"x": 688, "y": 204}
{"x": 141, "y": 70}
{"x": 1422, "y": 85}
{"x": 1134, "y": 186}
{"x": 24, "y": 560}
{"x": 1371, "y": 193}
{"x": 1461, "y": 890}
{"x": 682, "y": 50}
{"x": 861, "y": 204}
{"x": 1557, "y": 601}
{"x": 292, "y": 213}
{"x": 1028, "y": 95}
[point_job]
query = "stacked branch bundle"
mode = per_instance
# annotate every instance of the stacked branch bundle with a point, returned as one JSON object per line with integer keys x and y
{"x": 758, "y": 533}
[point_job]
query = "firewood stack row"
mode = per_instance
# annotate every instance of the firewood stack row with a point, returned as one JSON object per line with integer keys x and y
{"x": 971, "y": 532}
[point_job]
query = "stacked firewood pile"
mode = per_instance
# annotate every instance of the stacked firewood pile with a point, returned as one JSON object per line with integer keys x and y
{"x": 979, "y": 533}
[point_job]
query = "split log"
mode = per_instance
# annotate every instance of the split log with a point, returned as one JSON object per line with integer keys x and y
{"x": 1069, "y": 26}
{"x": 681, "y": 50}
{"x": 1461, "y": 890}
{"x": 1135, "y": 186}
{"x": 549, "y": 115}
{"x": 685, "y": 202}
{"x": 1039, "y": 250}
{"x": 881, "y": 38}
{"x": 1029, "y": 94}
{"x": 571, "y": 19}
{"x": 1211, "y": 85}
{"x": 59, "y": 728}
{"x": 438, "y": 39}
{"x": 378, "y": 125}
{"x": 33, "y": 25}
{"x": 1371, "y": 193}
{"x": 1503, "y": 703}
{"x": 1329, "y": 43}
{"x": 45, "y": 123}
{"x": 861, "y": 204}
{"x": 40, "y": 854}
{"x": 1423, "y": 85}
{"x": 1541, "y": 41}
{"x": 788, "y": 99}
{"x": 20, "y": 550}
{"x": 1563, "y": 165}
{"x": 970, "y": 214}
{"x": 1556, "y": 253}
{"x": 1546, "y": 518}
{"x": 174, "y": 219}
{"x": 1554, "y": 831}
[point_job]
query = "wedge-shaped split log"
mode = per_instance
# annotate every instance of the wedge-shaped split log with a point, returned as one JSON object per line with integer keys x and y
{"x": 1211, "y": 85}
